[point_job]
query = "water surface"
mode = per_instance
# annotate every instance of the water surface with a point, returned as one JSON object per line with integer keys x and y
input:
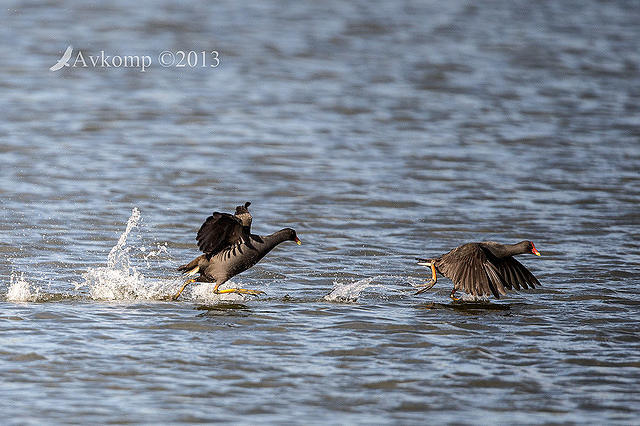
{"x": 380, "y": 131}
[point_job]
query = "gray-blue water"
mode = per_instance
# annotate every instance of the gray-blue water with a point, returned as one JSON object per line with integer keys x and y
{"x": 380, "y": 131}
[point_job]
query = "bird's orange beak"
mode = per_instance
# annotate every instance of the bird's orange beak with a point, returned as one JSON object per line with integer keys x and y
{"x": 535, "y": 251}
{"x": 298, "y": 242}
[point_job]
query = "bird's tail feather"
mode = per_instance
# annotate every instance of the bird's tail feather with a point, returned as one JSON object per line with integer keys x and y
{"x": 190, "y": 268}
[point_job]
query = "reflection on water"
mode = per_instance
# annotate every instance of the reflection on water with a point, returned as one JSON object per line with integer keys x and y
{"x": 380, "y": 132}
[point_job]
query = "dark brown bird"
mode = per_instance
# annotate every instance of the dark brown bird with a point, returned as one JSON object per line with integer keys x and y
{"x": 482, "y": 269}
{"x": 230, "y": 248}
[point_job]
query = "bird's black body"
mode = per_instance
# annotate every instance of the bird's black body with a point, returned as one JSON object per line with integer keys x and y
{"x": 230, "y": 248}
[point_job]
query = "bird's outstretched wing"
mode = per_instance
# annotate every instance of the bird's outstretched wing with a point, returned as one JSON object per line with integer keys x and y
{"x": 219, "y": 231}
{"x": 514, "y": 274}
{"x": 472, "y": 271}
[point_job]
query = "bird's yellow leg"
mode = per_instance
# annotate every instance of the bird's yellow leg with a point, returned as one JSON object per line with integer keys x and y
{"x": 240, "y": 290}
{"x": 175, "y": 297}
{"x": 429, "y": 284}
{"x": 237, "y": 290}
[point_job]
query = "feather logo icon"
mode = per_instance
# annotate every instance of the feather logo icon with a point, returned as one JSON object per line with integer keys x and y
{"x": 63, "y": 61}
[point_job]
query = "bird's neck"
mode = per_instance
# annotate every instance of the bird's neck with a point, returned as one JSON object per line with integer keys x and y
{"x": 276, "y": 238}
{"x": 513, "y": 249}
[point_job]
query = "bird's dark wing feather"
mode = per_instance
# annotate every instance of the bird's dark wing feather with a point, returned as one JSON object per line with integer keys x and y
{"x": 472, "y": 271}
{"x": 476, "y": 271}
{"x": 219, "y": 231}
{"x": 515, "y": 275}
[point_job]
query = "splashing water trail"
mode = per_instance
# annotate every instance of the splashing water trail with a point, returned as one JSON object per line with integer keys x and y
{"x": 471, "y": 298}
{"x": 119, "y": 254}
{"x": 160, "y": 249}
{"x": 203, "y": 293}
{"x": 120, "y": 280}
{"x": 350, "y": 292}
{"x": 20, "y": 290}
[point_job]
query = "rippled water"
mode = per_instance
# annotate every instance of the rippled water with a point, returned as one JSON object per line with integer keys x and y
{"x": 380, "y": 131}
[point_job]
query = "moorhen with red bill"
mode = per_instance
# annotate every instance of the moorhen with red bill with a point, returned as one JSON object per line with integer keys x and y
{"x": 482, "y": 269}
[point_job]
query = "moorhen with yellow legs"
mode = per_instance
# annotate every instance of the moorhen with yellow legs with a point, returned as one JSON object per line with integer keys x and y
{"x": 230, "y": 248}
{"x": 482, "y": 269}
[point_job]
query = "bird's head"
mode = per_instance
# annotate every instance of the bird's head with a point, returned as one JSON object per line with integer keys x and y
{"x": 242, "y": 213}
{"x": 291, "y": 233}
{"x": 532, "y": 248}
{"x": 243, "y": 209}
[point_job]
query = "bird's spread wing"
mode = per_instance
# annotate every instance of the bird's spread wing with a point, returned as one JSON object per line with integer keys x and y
{"x": 514, "y": 274}
{"x": 472, "y": 271}
{"x": 219, "y": 231}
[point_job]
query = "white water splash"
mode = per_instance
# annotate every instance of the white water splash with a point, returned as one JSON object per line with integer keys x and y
{"x": 119, "y": 254}
{"x": 350, "y": 292}
{"x": 20, "y": 290}
{"x": 160, "y": 250}
{"x": 471, "y": 298}
{"x": 120, "y": 280}
{"x": 203, "y": 293}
